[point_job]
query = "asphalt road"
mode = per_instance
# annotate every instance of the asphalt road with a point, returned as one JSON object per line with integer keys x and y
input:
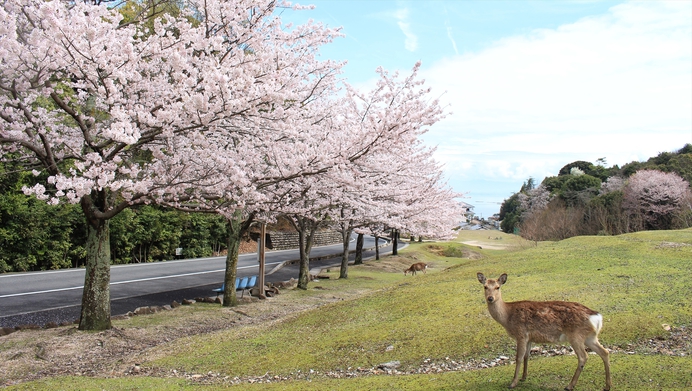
{"x": 55, "y": 296}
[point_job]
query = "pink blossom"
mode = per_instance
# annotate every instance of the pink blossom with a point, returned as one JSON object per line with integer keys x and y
{"x": 656, "y": 195}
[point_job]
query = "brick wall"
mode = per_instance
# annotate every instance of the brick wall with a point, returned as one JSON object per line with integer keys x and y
{"x": 289, "y": 240}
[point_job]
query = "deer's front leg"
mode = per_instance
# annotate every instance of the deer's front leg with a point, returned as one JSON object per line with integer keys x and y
{"x": 521, "y": 351}
{"x": 527, "y": 353}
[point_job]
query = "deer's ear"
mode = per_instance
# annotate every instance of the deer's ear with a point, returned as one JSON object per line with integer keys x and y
{"x": 481, "y": 278}
{"x": 502, "y": 279}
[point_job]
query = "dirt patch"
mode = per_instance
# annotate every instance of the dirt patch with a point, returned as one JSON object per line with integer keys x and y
{"x": 487, "y": 245}
{"x": 437, "y": 250}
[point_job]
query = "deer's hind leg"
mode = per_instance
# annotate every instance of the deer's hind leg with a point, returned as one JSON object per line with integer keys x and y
{"x": 594, "y": 345}
{"x": 580, "y": 350}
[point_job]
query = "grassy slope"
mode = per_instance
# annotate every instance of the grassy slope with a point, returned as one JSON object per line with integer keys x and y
{"x": 634, "y": 280}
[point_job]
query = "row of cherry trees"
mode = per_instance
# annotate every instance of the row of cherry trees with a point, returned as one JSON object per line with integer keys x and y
{"x": 217, "y": 107}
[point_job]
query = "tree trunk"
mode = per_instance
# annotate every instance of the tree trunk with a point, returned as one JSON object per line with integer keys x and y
{"x": 306, "y": 237}
{"x": 236, "y": 228}
{"x": 304, "y": 269}
{"x": 229, "y": 297}
{"x": 96, "y": 300}
{"x": 359, "y": 250}
{"x": 377, "y": 248}
{"x": 346, "y": 236}
{"x": 233, "y": 244}
{"x": 395, "y": 241}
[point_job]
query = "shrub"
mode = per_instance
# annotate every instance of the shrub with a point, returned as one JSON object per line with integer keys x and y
{"x": 556, "y": 222}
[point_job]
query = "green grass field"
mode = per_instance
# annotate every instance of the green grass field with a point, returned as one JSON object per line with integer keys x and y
{"x": 639, "y": 282}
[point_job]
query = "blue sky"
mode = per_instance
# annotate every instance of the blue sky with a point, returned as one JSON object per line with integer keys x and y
{"x": 531, "y": 85}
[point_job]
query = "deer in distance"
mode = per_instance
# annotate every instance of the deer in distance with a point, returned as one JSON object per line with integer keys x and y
{"x": 416, "y": 267}
{"x": 546, "y": 322}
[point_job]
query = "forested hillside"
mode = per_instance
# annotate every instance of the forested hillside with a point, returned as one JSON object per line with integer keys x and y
{"x": 590, "y": 199}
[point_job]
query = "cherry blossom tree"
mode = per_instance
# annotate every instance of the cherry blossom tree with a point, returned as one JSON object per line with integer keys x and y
{"x": 413, "y": 198}
{"x": 269, "y": 141}
{"x": 613, "y": 183}
{"x": 68, "y": 77}
{"x": 535, "y": 200}
{"x": 380, "y": 172}
{"x": 117, "y": 114}
{"x": 656, "y": 196}
{"x": 307, "y": 200}
{"x": 386, "y": 161}
{"x": 282, "y": 182}
{"x": 403, "y": 196}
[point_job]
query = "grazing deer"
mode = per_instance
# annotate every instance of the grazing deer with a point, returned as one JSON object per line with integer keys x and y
{"x": 546, "y": 322}
{"x": 416, "y": 267}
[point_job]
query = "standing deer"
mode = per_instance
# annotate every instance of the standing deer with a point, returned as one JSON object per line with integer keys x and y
{"x": 546, "y": 322}
{"x": 416, "y": 267}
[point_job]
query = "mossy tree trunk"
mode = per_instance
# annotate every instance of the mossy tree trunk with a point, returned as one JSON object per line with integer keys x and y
{"x": 237, "y": 227}
{"x": 96, "y": 300}
{"x": 306, "y": 238}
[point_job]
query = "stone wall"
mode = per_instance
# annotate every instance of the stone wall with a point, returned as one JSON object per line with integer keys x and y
{"x": 289, "y": 240}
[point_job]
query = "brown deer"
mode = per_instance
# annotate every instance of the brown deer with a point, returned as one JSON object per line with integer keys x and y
{"x": 546, "y": 322}
{"x": 416, "y": 267}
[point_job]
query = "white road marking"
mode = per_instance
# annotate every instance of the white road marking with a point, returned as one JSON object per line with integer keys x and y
{"x": 128, "y": 281}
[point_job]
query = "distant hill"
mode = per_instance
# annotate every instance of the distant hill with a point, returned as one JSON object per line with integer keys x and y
{"x": 587, "y": 198}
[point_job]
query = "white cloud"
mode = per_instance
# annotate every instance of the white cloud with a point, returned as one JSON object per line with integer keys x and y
{"x": 411, "y": 41}
{"x": 617, "y": 86}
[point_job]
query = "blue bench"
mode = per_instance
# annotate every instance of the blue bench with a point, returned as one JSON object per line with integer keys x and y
{"x": 240, "y": 284}
{"x": 223, "y": 286}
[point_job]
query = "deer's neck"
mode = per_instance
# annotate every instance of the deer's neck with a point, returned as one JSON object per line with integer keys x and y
{"x": 499, "y": 311}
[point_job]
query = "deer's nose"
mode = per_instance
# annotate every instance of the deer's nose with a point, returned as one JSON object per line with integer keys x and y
{"x": 490, "y": 299}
